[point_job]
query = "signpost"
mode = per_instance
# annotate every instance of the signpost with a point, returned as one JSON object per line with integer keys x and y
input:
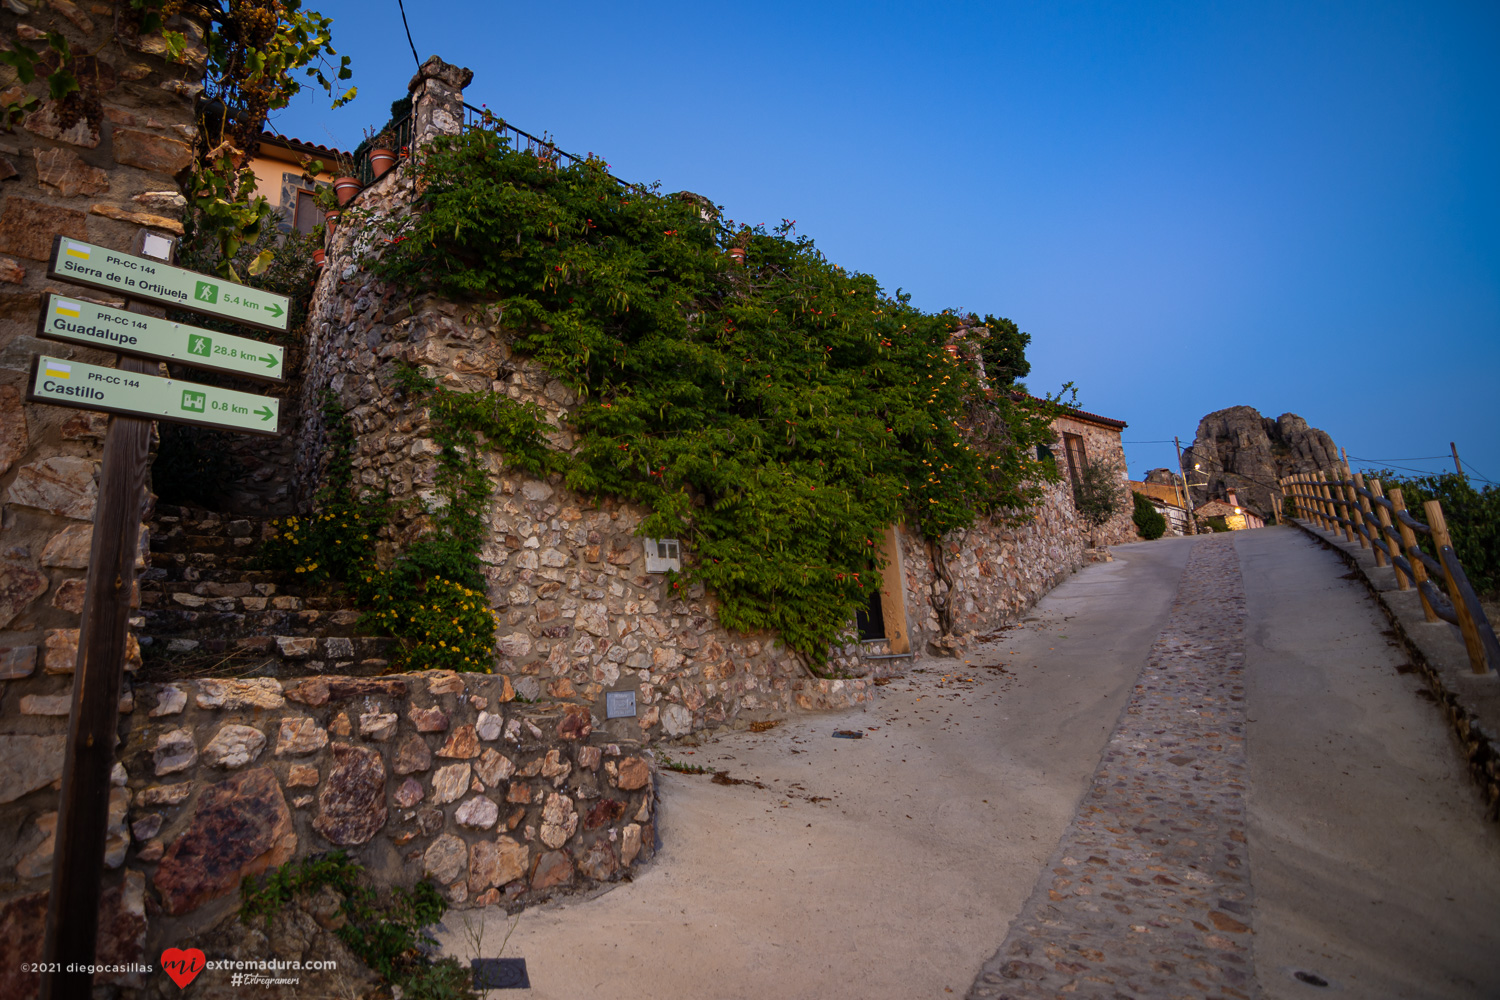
{"x": 136, "y": 396}
{"x": 143, "y": 278}
{"x": 91, "y": 387}
{"x": 78, "y": 321}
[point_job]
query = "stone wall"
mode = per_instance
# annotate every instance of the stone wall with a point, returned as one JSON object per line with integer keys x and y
{"x": 100, "y": 180}
{"x": 433, "y": 775}
{"x": 580, "y": 617}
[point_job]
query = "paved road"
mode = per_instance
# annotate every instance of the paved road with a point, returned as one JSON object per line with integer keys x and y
{"x": 895, "y": 866}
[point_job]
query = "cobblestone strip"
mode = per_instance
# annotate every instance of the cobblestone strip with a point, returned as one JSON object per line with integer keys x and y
{"x": 1148, "y": 895}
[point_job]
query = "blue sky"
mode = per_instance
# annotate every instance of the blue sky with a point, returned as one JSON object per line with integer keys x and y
{"x": 1292, "y": 206}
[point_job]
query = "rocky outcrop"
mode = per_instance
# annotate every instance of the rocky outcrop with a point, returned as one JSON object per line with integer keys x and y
{"x": 1239, "y": 449}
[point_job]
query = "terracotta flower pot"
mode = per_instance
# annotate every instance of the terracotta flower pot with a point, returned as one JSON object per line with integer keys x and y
{"x": 738, "y": 253}
{"x": 330, "y": 217}
{"x": 320, "y": 257}
{"x": 345, "y": 188}
{"x": 381, "y": 160}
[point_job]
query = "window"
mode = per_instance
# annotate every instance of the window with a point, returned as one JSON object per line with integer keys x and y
{"x": 1077, "y": 459}
{"x": 306, "y": 215}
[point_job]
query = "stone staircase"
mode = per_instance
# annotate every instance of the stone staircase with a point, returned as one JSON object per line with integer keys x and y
{"x": 205, "y": 607}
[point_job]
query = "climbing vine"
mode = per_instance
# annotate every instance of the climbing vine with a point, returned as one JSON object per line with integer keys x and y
{"x": 430, "y": 598}
{"x": 778, "y": 414}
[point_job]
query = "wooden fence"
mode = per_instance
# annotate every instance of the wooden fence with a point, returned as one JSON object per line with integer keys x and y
{"x": 1385, "y": 525}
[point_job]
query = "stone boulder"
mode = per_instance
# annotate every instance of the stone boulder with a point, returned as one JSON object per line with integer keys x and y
{"x": 241, "y": 827}
{"x": 352, "y": 803}
{"x": 1239, "y": 449}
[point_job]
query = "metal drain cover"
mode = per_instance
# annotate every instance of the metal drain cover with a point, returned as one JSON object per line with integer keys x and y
{"x": 500, "y": 974}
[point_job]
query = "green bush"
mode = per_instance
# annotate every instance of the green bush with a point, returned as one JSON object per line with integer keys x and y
{"x": 1473, "y": 518}
{"x": 1148, "y": 521}
{"x": 386, "y": 930}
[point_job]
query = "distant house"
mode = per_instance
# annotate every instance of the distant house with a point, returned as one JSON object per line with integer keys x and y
{"x": 279, "y": 176}
{"x": 1168, "y": 501}
{"x": 1236, "y": 517}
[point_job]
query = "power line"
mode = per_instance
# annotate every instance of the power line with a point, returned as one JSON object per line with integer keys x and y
{"x": 417, "y": 58}
{"x": 1415, "y": 458}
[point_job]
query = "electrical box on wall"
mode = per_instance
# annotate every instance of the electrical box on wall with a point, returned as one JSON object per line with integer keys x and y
{"x": 619, "y": 704}
{"x": 662, "y": 554}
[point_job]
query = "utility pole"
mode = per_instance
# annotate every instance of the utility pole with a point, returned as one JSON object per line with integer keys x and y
{"x": 1187, "y": 494}
{"x": 1453, "y": 447}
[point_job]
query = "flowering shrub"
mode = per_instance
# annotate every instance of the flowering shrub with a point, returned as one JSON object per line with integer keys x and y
{"x": 427, "y": 599}
{"x": 443, "y": 626}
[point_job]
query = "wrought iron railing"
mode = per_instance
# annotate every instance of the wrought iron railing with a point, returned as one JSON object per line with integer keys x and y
{"x": 542, "y": 148}
{"x": 400, "y": 139}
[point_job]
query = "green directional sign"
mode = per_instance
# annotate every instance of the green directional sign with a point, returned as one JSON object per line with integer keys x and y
{"x": 143, "y": 278}
{"x": 80, "y": 322}
{"x": 93, "y": 387}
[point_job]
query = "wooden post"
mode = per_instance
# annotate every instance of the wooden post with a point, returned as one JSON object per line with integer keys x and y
{"x": 1441, "y": 540}
{"x": 1388, "y": 533}
{"x": 72, "y": 924}
{"x": 1346, "y": 506}
{"x": 1409, "y": 542}
{"x": 1382, "y": 519}
{"x": 1368, "y": 516}
{"x": 1358, "y": 508}
{"x": 1457, "y": 465}
{"x": 1325, "y": 504}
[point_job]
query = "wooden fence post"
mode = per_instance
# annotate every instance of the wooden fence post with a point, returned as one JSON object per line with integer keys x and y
{"x": 1383, "y": 517}
{"x": 1388, "y": 533}
{"x": 1358, "y": 508}
{"x": 1346, "y": 506}
{"x": 1442, "y": 540}
{"x": 1325, "y": 504}
{"x": 1372, "y": 519}
{"x": 1409, "y": 542}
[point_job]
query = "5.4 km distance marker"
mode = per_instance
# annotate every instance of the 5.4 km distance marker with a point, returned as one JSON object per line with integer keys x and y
{"x": 143, "y": 278}
{"x": 110, "y": 329}
{"x": 112, "y": 390}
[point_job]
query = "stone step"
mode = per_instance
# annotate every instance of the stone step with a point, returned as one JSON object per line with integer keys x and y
{"x": 336, "y": 652}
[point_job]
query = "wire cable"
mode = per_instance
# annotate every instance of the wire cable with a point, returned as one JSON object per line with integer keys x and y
{"x": 417, "y": 58}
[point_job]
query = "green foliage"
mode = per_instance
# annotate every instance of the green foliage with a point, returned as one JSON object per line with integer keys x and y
{"x": 1216, "y": 522}
{"x": 386, "y": 930}
{"x": 1148, "y": 520}
{"x": 1004, "y": 352}
{"x": 1473, "y": 518}
{"x": 1098, "y": 495}
{"x": 446, "y": 625}
{"x": 432, "y": 597}
{"x": 778, "y": 414}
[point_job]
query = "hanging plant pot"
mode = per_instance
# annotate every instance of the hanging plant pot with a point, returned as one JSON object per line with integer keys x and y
{"x": 330, "y": 217}
{"x": 381, "y": 160}
{"x": 345, "y": 188}
{"x": 738, "y": 253}
{"x": 320, "y": 257}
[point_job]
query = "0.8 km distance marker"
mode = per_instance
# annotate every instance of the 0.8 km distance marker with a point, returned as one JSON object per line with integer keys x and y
{"x": 79, "y": 322}
{"x": 143, "y": 278}
{"x": 112, "y": 390}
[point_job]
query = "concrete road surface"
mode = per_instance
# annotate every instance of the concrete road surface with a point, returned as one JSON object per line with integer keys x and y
{"x": 894, "y": 866}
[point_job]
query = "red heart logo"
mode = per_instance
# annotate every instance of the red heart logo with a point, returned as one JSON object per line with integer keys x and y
{"x": 183, "y": 965}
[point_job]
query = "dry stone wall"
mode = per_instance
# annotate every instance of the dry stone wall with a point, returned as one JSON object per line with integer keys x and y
{"x": 580, "y": 616}
{"x": 433, "y": 775}
{"x": 100, "y": 180}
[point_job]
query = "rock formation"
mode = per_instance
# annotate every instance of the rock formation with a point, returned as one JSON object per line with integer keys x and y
{"x": 1239, "y": 449}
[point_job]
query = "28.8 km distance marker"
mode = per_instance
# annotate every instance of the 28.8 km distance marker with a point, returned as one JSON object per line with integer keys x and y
{"x": 113, "y": 390}
{"x": 82, "y": 263}
{"x": 80, "y": 322}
